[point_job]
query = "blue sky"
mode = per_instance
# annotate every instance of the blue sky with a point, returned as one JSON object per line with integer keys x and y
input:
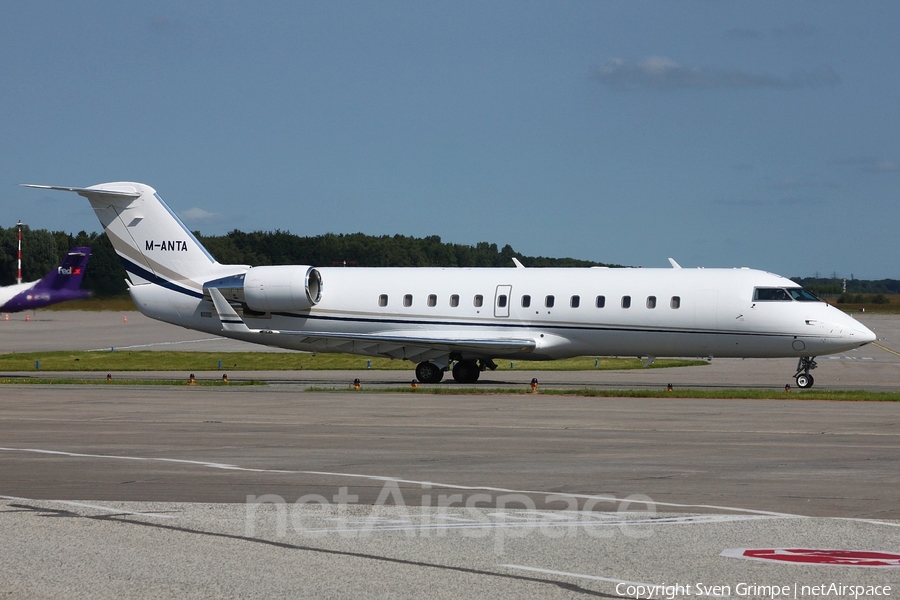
{"x": 761, "y": 134}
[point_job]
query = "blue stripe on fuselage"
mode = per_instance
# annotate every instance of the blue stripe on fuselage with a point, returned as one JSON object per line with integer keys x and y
{"x": 153, "y": 278}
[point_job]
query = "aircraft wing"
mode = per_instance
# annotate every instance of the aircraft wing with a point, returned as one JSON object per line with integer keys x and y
{"x": 415, "y": 346}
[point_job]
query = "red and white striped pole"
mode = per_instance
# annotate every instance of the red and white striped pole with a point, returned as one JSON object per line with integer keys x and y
{"x": 19, "y": 269}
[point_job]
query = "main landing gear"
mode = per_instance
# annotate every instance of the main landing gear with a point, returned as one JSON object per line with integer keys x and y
{"x": 428, "y": 372}
{"x": 803, "y": 378}
{"x": 464, "y": 371}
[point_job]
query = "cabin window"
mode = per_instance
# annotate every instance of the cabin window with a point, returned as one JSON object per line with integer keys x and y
{"x": 407, "y": 300}
{"x": 771, "y": 294}
{"x": 651, "y": 301}
{"x": 575, "y": 301}
{"x": 626, "y": 301}
{"x": 601, "y": 301}
{"x": 382, "y": 300}
{"x": 432, "y": 300}
{"x": 501, "y": 301}
{"x": 526, "y": 301}
{"x": 675, "y": 302}
{"x": 549, "y": 301}
{"x": 454, "y": 300}
{"x": 479, "y": 301}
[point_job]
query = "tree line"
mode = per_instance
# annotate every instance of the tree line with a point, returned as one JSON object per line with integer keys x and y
{"x": 42, "y": 251}
{"x": 834, "y": 286}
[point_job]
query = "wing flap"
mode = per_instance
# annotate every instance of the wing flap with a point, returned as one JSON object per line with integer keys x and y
{"x": 414, "y": 346}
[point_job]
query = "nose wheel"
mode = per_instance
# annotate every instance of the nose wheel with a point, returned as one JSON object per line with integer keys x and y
{"x": 804, "y": 381}
{"x": 802, "y": 377}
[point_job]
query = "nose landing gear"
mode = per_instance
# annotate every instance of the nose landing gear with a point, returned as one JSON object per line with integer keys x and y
{"x": 804, "y": 366}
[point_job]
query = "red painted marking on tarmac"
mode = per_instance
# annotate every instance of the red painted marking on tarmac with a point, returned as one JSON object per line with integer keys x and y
{"x": 815, "y": 556}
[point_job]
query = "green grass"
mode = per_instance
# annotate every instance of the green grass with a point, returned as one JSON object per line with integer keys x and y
{"x": 737, "y": 394}
{"x": 127, "y": 360}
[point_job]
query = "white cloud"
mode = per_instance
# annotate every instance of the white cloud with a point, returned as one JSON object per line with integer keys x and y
{"x": 802, "y": 182}
{"x": 739, "y": 33}
{"x": 868, "y": 164}
{"x": 886, "y": 166}
{"x": 661, "y": 73}
{"x": 199, "y": 216}
{"x": 795, "y": 31}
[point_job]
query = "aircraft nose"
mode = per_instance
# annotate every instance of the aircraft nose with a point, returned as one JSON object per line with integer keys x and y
{"x": 864, "y": 334}
{"x": 851, "y": 330}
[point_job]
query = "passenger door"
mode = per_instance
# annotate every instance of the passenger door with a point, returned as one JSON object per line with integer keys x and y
{"x": 502, "y": 298}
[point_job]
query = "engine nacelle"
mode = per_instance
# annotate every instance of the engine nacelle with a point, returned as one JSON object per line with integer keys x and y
{"x": 282, "y": 288}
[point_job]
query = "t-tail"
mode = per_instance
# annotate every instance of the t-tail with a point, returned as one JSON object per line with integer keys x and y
{"x": 166, "y": 264}
{"x": 59, "y": 285}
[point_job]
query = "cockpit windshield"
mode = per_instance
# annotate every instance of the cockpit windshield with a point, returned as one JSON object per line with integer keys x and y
{"x": 803, "y": 295}
{"x": 783, "y": 295}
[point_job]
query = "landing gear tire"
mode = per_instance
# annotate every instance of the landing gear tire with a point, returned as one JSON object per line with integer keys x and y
{"x": 804, "y": 366}
{"x": 466, "y": 371}
{"x": 428, "y": 372}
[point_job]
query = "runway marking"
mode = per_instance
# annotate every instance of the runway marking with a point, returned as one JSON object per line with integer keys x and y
{"x": 886, "y": 349}
{"x": 106, "y": 349}
{"x": 381, "y": 524}
{"x": 835, "y": 557}
{"x": 432, "y": 484}
{"x": 118, "y": 511}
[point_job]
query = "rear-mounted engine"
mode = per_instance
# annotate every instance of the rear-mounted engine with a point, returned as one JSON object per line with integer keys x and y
{"x": 272, "y": 289}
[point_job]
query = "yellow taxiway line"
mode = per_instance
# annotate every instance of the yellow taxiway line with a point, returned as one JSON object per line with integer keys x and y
{"x": 886, "y": 349}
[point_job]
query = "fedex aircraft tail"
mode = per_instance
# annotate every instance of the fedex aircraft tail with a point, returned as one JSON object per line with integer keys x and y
{"x": 153, "y": 244}
{"x": 61, "y": 284}
{"x": 68, "y": 274}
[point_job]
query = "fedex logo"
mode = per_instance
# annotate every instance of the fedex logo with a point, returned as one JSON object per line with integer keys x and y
{"x": 166, "y": 245}
{"x": 68, "y": 270}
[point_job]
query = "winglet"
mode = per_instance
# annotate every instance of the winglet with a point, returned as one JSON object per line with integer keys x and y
{"x": 674, "y": 264}
{"x": 517, "y": 263}
{"x": 231, "y": 321}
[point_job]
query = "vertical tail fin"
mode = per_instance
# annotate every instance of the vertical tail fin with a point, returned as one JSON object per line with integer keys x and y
{"x": 68, "y": 274}
{"x": 151, "y": 241}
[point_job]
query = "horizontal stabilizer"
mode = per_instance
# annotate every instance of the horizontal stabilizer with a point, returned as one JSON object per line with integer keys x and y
{"x": 87, "y": 191}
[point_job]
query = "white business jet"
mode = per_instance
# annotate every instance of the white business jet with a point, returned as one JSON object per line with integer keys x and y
{"x": 466, "y": 317}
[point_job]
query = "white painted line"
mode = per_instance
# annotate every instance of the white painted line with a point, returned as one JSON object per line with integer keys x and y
{"x": 200, "y": 463}
{"x": 107, "y": 349}
{"x": 110, "y": 509}
{"x": 376, "y": 524}
{"x": 432, "y": 484}
{"x": 397, "y": 480}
